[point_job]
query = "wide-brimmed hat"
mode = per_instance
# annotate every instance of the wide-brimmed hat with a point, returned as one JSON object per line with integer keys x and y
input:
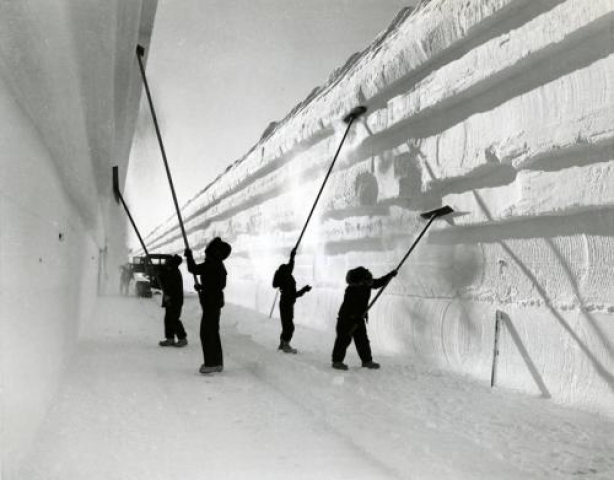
{"x": 219, "y": 248}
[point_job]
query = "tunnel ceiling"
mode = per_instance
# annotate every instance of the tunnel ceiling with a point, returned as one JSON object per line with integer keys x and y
{"x": 71, "y": 66}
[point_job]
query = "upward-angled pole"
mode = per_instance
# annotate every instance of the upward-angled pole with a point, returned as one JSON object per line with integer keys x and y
{"x": 432, "y": 216}
{"x": 349, "y": 119}
{"x": 120, "y": 199}
{"x": 140, "y": 51}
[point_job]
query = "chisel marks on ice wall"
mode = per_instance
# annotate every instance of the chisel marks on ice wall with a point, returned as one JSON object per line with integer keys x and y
{"x": 503, "y": 109}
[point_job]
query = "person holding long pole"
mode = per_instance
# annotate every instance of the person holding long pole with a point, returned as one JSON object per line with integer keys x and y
{"x": 212, "y": 271}
{"x": 172, "y": 302}
{"x": 213, "y": 277}
{"x": 283, "y": 278}
{"x": 351, "y": 321}
{"x": 171, "y": 318}
{"x": 353, "y": 314}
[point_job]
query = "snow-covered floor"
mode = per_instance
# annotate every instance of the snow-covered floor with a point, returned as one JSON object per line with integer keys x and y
{"x": 131, "y": 410}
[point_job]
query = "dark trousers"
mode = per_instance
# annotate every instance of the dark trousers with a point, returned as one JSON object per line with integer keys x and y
{"x": 172, "y": 324}
{"x": 348, "y": 329}
{"x": 286, "y": 312}
{"x": 210, "y": 336}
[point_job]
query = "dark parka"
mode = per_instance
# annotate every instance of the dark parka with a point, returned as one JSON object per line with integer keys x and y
{"x": 351, "y": 322}
{"x": 211, "y": 292}
{"x": 284, "y": 280}
{"x": 171, "y": 282}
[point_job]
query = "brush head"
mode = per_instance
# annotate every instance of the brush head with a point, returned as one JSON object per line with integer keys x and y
{"x": 354, "y": 114}
{"x": 438, "y": 212}
{"x": 116, "y": 193}
{"x": 140, "y": 50}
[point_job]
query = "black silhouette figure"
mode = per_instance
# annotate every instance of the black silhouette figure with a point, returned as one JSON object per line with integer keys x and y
{"x": 211, "y": 292}
{"x": 284, "y": 280}
{"x": 125, "y": 277}
{"x": 172, "y": 301}
{"x": 351, "y": 322}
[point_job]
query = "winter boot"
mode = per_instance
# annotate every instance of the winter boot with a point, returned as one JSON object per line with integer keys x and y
{"x": 215, "y": 369}
{"x": 286, "y": 347}
{"x": 169, "y": 342}
{"x": 340, "y": 366}
{"x": 182, "y": 342}
{"x": 371, "y": 364}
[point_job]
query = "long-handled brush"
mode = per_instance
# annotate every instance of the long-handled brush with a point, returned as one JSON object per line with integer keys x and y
{"x": 348, "y": 119}
{"x": 120, "y": 199}
{"x": 140, "y": 51}
{"x": 431, "y": 216}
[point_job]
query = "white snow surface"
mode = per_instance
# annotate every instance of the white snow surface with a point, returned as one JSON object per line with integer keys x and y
{"x": 129, "y": 409}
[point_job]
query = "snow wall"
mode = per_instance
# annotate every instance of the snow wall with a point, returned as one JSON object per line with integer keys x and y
{"x": 503, "y": 109}
{"x": 69, "y": 97}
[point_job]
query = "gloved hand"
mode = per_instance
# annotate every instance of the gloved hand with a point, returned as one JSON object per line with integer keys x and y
{"x": 307, "y": 288}
{"x": 187, "y": 253}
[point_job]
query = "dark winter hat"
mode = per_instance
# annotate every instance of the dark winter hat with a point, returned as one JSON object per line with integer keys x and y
{"x": 358, "y": 276}
{"x": 281, "y": 275}
{"x": 219, "y": 248}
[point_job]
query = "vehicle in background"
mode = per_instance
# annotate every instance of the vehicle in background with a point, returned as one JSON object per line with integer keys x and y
{"x": 146, "y": 275}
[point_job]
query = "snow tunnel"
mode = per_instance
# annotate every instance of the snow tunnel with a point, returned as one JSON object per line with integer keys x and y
{"x": 502, "y": 109}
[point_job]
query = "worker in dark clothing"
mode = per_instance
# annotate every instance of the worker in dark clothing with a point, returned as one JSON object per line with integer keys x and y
{"x": 172, "y": 301}
{"x": 351, "y": 322}
{"x": 212, "y": 283}
{"x": 284, "y": 280}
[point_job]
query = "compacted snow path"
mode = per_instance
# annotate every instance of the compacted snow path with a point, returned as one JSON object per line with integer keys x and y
{"x": 131, "y": 410}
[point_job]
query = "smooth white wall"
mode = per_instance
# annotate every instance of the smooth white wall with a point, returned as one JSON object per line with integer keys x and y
{"x": 47, "y": 283}
{"x": 69, "y": 95}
